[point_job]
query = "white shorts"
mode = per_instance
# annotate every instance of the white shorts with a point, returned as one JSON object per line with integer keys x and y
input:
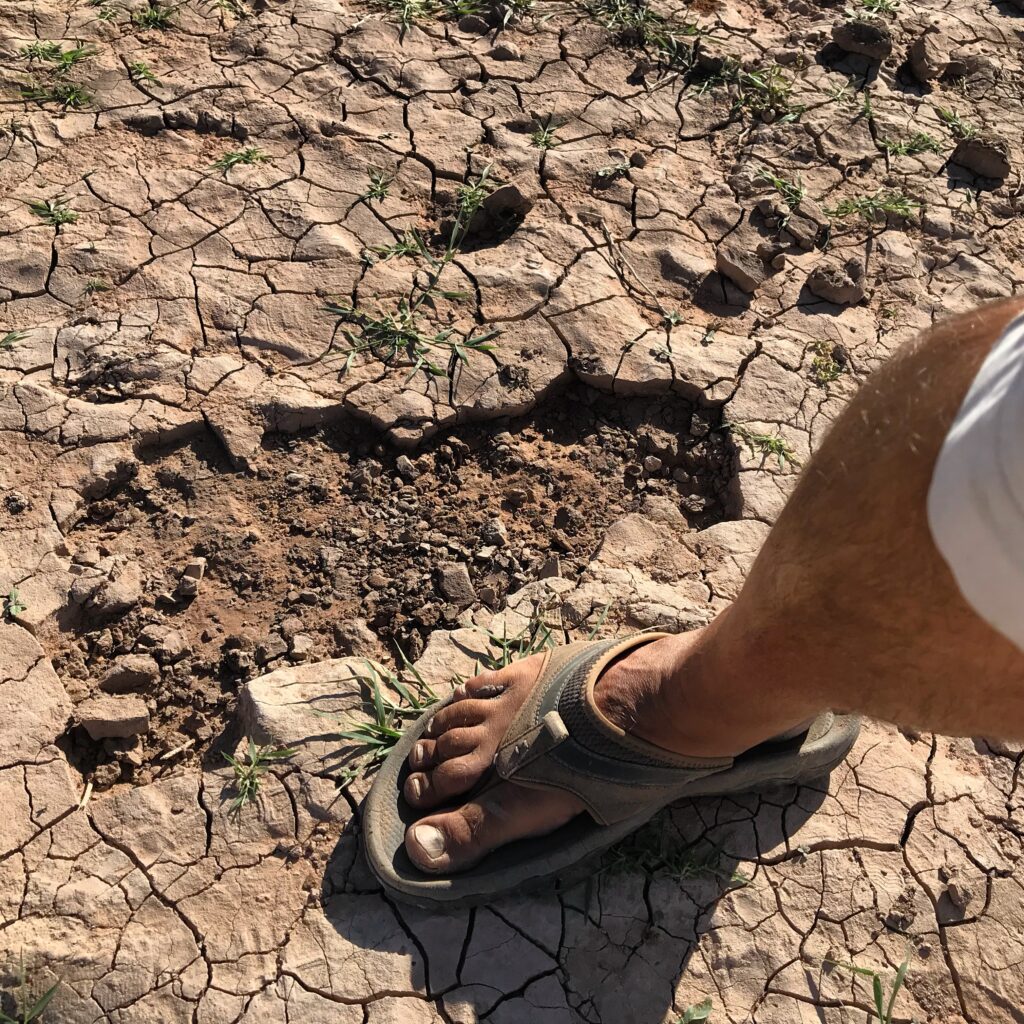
{"x": 976, "y": 498}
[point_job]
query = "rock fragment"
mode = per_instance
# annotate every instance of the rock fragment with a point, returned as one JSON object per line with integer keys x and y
{"x": 188, "y": 585}
{"x": 928, "y": 57}
{"x": 168, "y": 645}
{"x": 112, "y": 716}
{"x": 742, "y": 266}
{"x": 985, "y": 154}
{"x": 406, "y": 468}
{"x": 506, "y": 51}
{"x": 868, "y": 38}
{"x": 842, "y": 284}
{"x": 455, "y": 584}
{"x": 807, "y": 224}
{"x": 130, "y": 673}
{"x": 508, "y": 203}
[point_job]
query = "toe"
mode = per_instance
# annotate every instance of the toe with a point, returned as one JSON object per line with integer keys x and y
{"x": 448, "y": 780}
{"x": 421, "y": 756}
{"x": 457, "y": 840}
{"x": 461, "y": 713}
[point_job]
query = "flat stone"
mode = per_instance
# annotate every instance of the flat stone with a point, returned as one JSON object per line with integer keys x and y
{"x": 455, "y": 583}
{"x": 113, "y": 717}
{"x": 740, "y": 265}
{"x": 129, "y": 673}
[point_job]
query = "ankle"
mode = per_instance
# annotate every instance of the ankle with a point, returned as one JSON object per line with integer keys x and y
{"x": 690, "y": 694}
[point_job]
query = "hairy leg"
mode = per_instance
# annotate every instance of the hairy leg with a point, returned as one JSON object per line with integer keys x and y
{"x": 848, "y": 606}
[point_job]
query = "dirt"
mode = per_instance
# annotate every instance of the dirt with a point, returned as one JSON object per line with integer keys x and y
{"x": 361, "y": 542}
{"x": 209, "y": 501}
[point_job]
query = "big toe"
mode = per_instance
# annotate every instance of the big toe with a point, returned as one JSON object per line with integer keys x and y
{"x": 456, "y": 840}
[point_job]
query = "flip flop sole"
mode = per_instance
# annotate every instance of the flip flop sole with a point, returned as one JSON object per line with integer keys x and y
{"x": 568, "y": 853}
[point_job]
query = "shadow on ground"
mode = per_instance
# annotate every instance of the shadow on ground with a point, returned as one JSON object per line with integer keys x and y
{"x": 618, "y": 945}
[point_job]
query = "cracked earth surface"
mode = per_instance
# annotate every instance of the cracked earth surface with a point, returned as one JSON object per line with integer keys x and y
{"x": 212, "y": 517}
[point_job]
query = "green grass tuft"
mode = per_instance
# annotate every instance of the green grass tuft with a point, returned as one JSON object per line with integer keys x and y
{"x": 867, "y": 9}
{"x": 139, "y": 71}
{"x": 153, "y": 16}
{"x": 919, "y": 142}
{"x": 29, "y": 1009}
{"x": 543, "y": 137}
{"x": 379, "y": 184}
{"x": 389, "y": 717}
{"x": 10, "y": 339}
{"x": 250, "y": 768}
{"x": 958, "y": 126}
{"x": 883, "y": 1006}
{"x": 69, "y": 95}
{"x": 792, "y": 192}
{"x": 876, "y": 206}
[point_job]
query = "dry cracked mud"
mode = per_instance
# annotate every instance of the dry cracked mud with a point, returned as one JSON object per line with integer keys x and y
{"x": 703, "y": 226}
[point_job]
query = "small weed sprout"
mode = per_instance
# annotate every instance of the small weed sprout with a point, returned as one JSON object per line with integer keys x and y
{"x": 400, "y": 334}
{"x": 876, "y": 206}
{"x": 699, "y": 1012}
{"x": 763, "y": 92}
{"x": 10, "y": 339}
{"x": 67, "y": 94}
{"x": 13, "y": 604}
{"x": 55, "y": 212}
{"x": 611, "y": 172}
{"x": 636, "y": 24}
{"x": 765, "y": 444}
{"x": 408, "y": 12}
{"x": 535, "y": 637}
{"x": 883, "y": 1007}
{"x": 866, "y": 9}
{"x": 97, "y": 284}
{"x": 235, "y": 7}
{"x": 238, "y": 157}
{"x": 513, "y": 11}
{"x": 139, "y": 71}
{"x": 792, "y": 192}
{"x": 154, "y": 15}
{"x": 28, "y": 1011}
{"x": 828, "y": 364}
{"x": 919, "y": 142}
{"x": 958, "y": 126}
{"x": 380, "y": 185}
{"x": 410, "y": 244}
{"x": 250, "y": 768}
{"x": 543, "y": 136}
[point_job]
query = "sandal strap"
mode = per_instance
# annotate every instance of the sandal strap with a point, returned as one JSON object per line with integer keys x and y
{"x": 559, "y": 739}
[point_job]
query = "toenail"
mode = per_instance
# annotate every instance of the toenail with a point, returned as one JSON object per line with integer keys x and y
{"x": 416, "y": 785}
{"x": 430, "y": 840}
{"x": 460, "y": 690}
{"x": 418, "y": 753}
{"x": 491, "y": 690}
